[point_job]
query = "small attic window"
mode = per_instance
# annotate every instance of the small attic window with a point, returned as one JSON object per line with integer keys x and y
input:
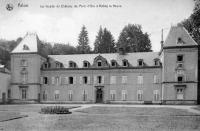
{"x": 86, "y": 64}
{"x": 156, "y": 62}
{"x": 25, "y": 47}
{"x": 99, "y": 63}
{"x": 125, "y": 63}
{"x": 180, "y": 41}
{"x": 140, "y": 62}
{"x": 72, "y": 64}
{"x": 113, "y": 63}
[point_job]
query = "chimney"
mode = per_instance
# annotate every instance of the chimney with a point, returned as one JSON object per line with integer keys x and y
{"x": 121, "y": 51}
{"x": 161, "y": 42}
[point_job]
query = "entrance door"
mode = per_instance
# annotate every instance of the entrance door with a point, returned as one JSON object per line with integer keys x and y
{"x": 99, "y": 96}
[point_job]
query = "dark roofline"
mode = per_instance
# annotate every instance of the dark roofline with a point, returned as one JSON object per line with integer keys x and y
{"x": 187, "y": 46}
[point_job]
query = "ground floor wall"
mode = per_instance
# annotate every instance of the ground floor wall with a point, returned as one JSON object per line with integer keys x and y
{"x": 25, "y": 92}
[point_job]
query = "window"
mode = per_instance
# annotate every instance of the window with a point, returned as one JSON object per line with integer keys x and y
{"x": 24, "y": 62}
{"x": 64, "y": 80}
{"x": 84, "y": 96}
{"x": 140, "y": 62}
{"x": 44, "y": 95}
{"x": 46, "y": 65}
{"x": 179, "y": 65}
{"x": 86, "y": 64}
{"x": 125, "y": 63}
{"x": 140, "y": 95}
{"x": 71, "y": 80}
{"x": 53, "y": 80}
{"x": 70, "y": 95}
{"x": 45, "y": 80}
{"x": 179, "y": 58}
{"x": 57, "y": 80}
{"x": 57, "y": 65}
{"x": 57, "y": 93}
{"x": 72, "y": 64}
{"x": 156, "y": 62}
{"x": 155, "y": 79}
{"x": 180, "y": 93}
{"x": 180, "y": 78}
{"x": 124, "y": 95}
{"x": 124, "y": 79}
{"x": 24, "y": 93}
{"x": 156, "y": 95}
{"x": 25, "y": 47}
{"x": 112, "y": 95}
{"x": 113, "y": 80}
{"x": 85, "y": 80}
{"x": 140, "y": 80}
{"x": 99, "y": 63}
{"x": 180, "y": 41}
{"x": 99, "y": 78}
{"x": 24, "y": 75}
{"x": 113, "y": 63}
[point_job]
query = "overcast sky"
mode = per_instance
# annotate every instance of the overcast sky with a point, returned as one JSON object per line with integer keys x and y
{"x": 64, "y": 24}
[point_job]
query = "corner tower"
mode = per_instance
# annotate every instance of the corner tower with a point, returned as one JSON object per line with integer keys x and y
{"x": 26, "y": 61}
{"x": 179, "y": 56}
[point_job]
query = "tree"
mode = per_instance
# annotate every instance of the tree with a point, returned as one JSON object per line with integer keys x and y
{"x": 83, "y": 42}
{"x": 98, "y": 41}
{"x": 104, "y": 42}
{"x": 192, "y": 24}
{"x": 132, "y": 39}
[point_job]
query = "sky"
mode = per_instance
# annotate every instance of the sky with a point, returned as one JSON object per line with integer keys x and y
{"x": 63, "y": 22}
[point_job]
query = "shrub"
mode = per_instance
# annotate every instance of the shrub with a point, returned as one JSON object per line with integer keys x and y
{"x": 55, "y": 110}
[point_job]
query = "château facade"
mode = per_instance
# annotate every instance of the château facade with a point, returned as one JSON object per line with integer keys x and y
{"x": 167, "y": 77}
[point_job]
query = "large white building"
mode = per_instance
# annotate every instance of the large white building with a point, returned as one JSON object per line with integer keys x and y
{"x": 168, "y": 76}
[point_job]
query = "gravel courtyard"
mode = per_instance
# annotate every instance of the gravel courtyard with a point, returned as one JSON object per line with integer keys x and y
{"x": 101, "y": 117}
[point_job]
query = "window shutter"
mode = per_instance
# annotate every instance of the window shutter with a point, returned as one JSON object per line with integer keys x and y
{"x": 95, "y": 79}
{"x": 41, "y": 80}
{"x": 53, "y": 80}
{"x": 88, "y": 79}
{"x": 81, "y": 80}
{"x": 66, "y": 80}
{"x": 155, "y": 79}
{"x": 74, "y": 82}
{"x": 141, "y": 79}
{"x": 102, "y": 79}
{"x": 60, "y": 80}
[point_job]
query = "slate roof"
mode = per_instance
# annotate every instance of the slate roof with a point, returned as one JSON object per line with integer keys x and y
{"x": 178, "y": 32}
{"x": 148, "y": 58}
{"x": 28, "y": 44}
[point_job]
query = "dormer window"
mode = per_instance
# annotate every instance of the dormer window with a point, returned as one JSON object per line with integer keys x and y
{"x": 140, "y": 62}
{"x": 125, "y": 63}
{"x": 57, "y": 65}
{"x": 113, "y": 63}
{"x": 180, "y": 41}
{"x": 156, "y": 62}
{"x": 25, "y": 47}
{"x": 180, "y": 78}
{"x": 86, "y": 64}
{"x": 72, "y": 64}
{"x": 99, "y": 63}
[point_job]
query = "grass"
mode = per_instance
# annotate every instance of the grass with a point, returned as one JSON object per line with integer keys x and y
{"x": 110, "y": 119}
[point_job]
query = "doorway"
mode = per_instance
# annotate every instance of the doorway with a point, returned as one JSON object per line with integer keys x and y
{"x": 99, "y": 96}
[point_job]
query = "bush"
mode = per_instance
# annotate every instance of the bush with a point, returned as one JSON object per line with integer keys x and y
{"x": 55, "y": 110}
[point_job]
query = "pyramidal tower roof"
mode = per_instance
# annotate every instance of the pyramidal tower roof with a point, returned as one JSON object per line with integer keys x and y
{"x": 29, "y": 44}
{"x": 178, "y": 36}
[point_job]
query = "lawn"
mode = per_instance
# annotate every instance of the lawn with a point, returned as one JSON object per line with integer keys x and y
{"x": 109, "y": 119}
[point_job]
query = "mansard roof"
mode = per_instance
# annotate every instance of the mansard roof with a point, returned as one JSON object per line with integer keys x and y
{"x": 132, "y": 58}
{"x": 178, "y": 33}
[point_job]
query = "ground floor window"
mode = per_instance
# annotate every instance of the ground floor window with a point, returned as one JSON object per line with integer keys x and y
{"x": 84, "y": 96}
{"x": 112, "y": 95}
{"x": 179, "y": 93}
{"x": 57, "y": 94}
{"x": 124, "y": 95}
{"x": 139, "y": 95}
{"x": 70, "y": 95}
{"x": 24, "y": 93}
{"x": 156, "y": 95}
